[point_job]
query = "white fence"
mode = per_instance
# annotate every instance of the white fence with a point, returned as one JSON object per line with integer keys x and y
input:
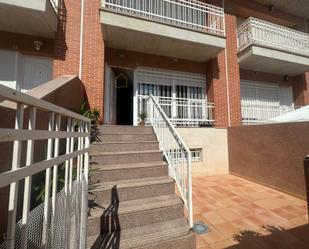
{"x": 182, "y": 111}
{"x": 177, "y": 154}
{"x": 60, "y": 221}
{"x": 186, "y": 13}
{"x": 259, "y": 32}
{"x": 260, "y": 114}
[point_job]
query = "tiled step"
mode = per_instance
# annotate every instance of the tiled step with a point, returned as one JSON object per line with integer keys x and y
{"x": 172, "y": 234}
{"x": 132, "y": 189}
{"x": 116, "y": 172}
{"x": 125, "y": 137}
{"x": 135, "y": 213}
{"x": 107, "y": 158}
{"x": 124, "y": 129}
{"x": 123, "y": 146}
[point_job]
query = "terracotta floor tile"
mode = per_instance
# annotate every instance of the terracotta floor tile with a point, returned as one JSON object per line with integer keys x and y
{"x": 213, "y": 217}
{"x": 227, "y": 229}
{"x": 213, "y": 236}
{"x": 224, "y": 244}
{"x": 227, "y": 214}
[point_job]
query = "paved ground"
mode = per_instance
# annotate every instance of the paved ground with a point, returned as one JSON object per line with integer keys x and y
{"x": 245, "y": 215}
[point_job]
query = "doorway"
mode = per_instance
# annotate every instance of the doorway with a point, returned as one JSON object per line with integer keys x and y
{"x": 119, "y": 96}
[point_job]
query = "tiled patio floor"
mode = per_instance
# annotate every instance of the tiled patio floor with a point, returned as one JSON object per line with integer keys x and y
{"x": 242, "y": 214}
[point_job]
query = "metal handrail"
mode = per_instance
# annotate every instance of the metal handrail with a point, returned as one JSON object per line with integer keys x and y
{"x": 176, "y": 152}
{"x": 77, "y": 130}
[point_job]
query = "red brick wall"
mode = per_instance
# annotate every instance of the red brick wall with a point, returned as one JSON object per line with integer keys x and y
{"x": 67, "y": 49}
{"x": 301, "y": 90}
{"x": 93, "y": 55}
{"x": 67, "y": 41}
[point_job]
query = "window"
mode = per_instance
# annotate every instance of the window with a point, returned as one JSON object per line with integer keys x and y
{"x": 196, "y": 155}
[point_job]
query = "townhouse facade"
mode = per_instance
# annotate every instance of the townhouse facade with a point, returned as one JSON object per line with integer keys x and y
{"x": 210, "y": 63}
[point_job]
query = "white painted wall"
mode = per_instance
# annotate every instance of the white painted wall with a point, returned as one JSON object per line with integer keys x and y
{"x": 214, "y": 149}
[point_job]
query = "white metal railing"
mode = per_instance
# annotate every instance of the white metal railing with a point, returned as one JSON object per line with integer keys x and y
{"x": 176, "y": 153}
{"x": 60, "y": 221}
{"x": 253, "y": 114}
{"x": 185, "y": 13}
{"x": 182, "y": 111}
{"x": 259, "y": 32}
{"x": 55, "y": 4}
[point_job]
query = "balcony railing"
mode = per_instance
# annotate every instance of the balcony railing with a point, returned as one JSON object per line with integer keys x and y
{"x": 55, "y": 4}
{"x": 182, "y": 111}
{"x": 190, "y": 14}
{"x": 257, "y": 32}
{"x": 261, "y": 114}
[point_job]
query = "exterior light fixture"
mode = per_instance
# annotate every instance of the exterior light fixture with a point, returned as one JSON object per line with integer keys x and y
{"x": 286, "y": 78}
{"x": 271, "y": 8}
{"x": 38, "y": 44}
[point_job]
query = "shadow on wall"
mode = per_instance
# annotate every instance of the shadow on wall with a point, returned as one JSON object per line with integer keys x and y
{"x": 273, "y": 237}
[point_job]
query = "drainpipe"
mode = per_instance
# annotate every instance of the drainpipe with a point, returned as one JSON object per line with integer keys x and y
{"x": 226, "y": 74}
{"x": 81, "y": 40}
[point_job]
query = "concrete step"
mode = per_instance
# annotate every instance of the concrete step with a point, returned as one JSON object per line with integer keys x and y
{"x": 107, "y": 158}
{"x": 123, "y": 146}
{"x": 116, "y": 172}
{"x": 172, "y": 234}
{"x": 135, "y": 213}
{"x": 124, "y": 137}
{"x": 125, "y": 129}
{"x": 132, "y": 189}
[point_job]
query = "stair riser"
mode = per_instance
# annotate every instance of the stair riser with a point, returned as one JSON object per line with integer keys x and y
{"x": 126, "y": 137}
{"x": 131, "y": 220}
{"x": 127, "y": 158}
{"x": 184, "y": 242}
{"x": 122, "y": 174}
{"x": 126, "y": 194}
{"x": 123, "y": 147}
{"x": 125, "y": 129}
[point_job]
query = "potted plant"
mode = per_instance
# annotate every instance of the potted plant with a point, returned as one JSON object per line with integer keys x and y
{"x": 142, "y": 116}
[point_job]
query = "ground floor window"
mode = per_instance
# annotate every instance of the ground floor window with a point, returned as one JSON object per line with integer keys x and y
{"x": 261, "y": 101}
{"x": 181, "y": 95}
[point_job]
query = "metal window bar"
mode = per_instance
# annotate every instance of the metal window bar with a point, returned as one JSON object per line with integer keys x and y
{"x": 259, "y": 32}
{"x": 60, "y": 221}
{"x": 190, "y": 14}
{"x": 176, "y": 153}
{"x": 260, "y": 114}
{"x": 182, "y": 111}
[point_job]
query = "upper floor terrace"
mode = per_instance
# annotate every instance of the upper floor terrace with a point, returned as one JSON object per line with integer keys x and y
{"x": 32, "y": 17}
{"x": 271, "y": 48}
{"x": 186, "y": 29}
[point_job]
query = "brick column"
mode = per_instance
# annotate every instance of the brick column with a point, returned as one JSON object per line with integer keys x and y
{"x": 301, "y": 90}
{"x": 93, "y": 55}
{"x": 233, "y": 70}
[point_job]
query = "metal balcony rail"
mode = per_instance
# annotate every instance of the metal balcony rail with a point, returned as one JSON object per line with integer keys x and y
{"x": 260, "y": 114}
{"x": 183, "y": 111}
{"x": 176, "y": 153}
{"x": 60, "y": 221}
{"x": 55, "y": 4}
{"x": 257, "y": 32}
{"x": 190, "y": 14}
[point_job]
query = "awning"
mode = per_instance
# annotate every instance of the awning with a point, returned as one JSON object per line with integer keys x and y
{"x": 299, "y": 115}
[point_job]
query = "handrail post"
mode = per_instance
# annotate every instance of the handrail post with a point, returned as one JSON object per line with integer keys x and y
{"x": 190, "y": 206}
{"x": 19, "y": 118}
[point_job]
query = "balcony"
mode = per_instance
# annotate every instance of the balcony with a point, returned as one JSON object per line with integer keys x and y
{"x": 33, "y": 17}
{"x": 271, "y": 48}
{"x": 189, "y": 30}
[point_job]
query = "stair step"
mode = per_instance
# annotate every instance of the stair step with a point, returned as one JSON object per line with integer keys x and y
{"x": 107, "y": 158}
{"x": 116, "y": 172}
{"x": 125, "y": 137}
{"x": 173, "y": 234}
{"x": 132, "y": 189}
{"x": 134, "y": 213}
{"x": 124, "y": 146}
{"x": 125, "y": 129}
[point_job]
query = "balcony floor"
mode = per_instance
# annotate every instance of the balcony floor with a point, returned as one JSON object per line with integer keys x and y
{"x": 243, "y": 214}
